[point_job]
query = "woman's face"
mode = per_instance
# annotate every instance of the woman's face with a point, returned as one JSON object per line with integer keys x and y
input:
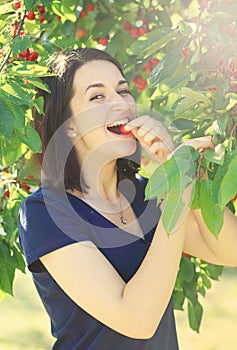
{"x": 101, "y": 102}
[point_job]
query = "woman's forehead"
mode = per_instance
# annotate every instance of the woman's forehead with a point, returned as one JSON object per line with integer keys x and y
{"x": 97, "y": 72}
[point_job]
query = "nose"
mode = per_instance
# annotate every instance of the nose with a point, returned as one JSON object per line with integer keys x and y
{"x": 118, "y": 104}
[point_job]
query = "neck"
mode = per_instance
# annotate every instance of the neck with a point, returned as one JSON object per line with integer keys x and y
{"x": 101, "y": 182}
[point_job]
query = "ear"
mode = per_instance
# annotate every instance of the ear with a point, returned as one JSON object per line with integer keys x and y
{"x": 71, "y": 131}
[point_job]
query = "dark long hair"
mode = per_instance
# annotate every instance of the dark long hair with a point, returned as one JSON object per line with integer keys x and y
{"x": 57, "y": 111}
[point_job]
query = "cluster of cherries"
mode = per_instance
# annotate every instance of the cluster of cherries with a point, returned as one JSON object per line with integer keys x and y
{"x": 135, "y": 31}
{"x": 82, "y": 32}
{"x": 23, "y": 184}
{"x": 31, "y": 14}
{"x": 138, "y": 80}
{"x": 27, "y": 54}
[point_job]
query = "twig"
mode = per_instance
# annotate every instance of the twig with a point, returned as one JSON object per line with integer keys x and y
{"x": 17, "y": 34}
{"x": 15, "y": 161}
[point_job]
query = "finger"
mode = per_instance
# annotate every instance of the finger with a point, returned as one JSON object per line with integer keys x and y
{"x": 201, "y": 143}
{"x": 146, "y": 127}
{"x": 158, "y": 146}
{"x": 135, "y": 123}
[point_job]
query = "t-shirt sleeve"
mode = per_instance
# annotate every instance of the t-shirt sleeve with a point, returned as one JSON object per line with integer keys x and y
{"x": 44, "y": 228}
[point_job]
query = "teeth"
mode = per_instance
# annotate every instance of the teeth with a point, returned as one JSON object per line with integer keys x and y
{"x": 118, "y": 122}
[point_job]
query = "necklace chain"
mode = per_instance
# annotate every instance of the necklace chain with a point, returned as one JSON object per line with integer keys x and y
{"x": 122, "y": 218}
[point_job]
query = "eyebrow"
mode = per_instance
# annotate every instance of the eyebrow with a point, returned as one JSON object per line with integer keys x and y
{"x": 121, "y": 82}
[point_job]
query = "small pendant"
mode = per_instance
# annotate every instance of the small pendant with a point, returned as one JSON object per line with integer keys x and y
{"x": 123, "y": 220}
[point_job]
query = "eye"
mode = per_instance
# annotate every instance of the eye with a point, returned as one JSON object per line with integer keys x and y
{"x": 96, "y": 97}
{"x": 124, "y": 92}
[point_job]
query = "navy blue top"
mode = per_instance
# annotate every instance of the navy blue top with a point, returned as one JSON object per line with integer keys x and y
{"x": 48, "y": 221}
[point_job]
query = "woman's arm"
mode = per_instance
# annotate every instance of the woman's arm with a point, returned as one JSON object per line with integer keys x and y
{"x": 134, "y": 308}
{"x": 202, "y": 244}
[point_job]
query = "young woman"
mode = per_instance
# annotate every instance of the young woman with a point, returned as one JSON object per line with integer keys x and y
{"x": 99, "y": 256}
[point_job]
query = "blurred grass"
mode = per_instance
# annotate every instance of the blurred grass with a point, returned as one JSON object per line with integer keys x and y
{"x": 25, "y": 325}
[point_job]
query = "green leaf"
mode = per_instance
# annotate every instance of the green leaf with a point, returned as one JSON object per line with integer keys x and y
{"x": 68, "y": 13}
{"x": 38, "y": 83}
{"x": 29, "y": 4}
{"x": 173, "y": 206}
{"x": 214, "y": 271}
{"x": 20, "y": 43}
{"x": 191, "y": 99}
{"x": 195, "y": 316}
{"x": 146, "y": 45}
{"x": 206, "y": 281}
{"x": 221, "y": 171}
{"x": 165, "y": 69}
{"x": 7, "y": 268}
{"x": 212, "y": 213}
{"x": 15, "y": 89}
{"x": 183, "y": 124}
{"x": 158, "y": 184}
{"x": 102, "y": 29}
{"x": 6, "y": 120}
{"x": 178, "y": 300}
{"x": 168, "y": 85}
{"x": 31, "y": 139}
{"x": 215, "y": 156}
{"x": 39, "y": 104}
{"x": 18, "y": 259}
{"x": 228, "y": 187}
{"x": 186, "y": 269}
{"x": 195, "y": 203}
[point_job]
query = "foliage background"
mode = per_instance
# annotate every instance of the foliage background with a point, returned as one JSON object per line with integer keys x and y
{"x": 181, "y": 59}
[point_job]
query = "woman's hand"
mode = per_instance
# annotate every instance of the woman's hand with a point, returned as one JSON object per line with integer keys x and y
{"x": 199, "y": 144}
{"x": 153, "y": 137}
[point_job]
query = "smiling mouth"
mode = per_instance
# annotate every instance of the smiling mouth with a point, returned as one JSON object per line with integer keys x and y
{"x": 116, "y": 126}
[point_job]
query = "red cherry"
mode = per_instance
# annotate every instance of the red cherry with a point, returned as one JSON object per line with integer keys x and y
{"x": 81, "y": 33}
{"x": 127, "y": 25}
{"x": 124, "y": 131}
{"x": 15, "y": 29}
{"x": 32, "y": 56}
{"x": 24, "y": 186}
{"x": 187, "y": 255}
{"x": 41, "y": 18}
{"x": 148, "y": 67}
{"x": 17, "y": 5}
{"x": 185, "y": 52}
{"x": 83, "y": 14}
{"x": 134, "y": 32}
{"x": 90, "y": 7}
{"x": 213, "y": 89}
{"x": 7, "y": 193}
{"x": 204, "y": 4}
{"x": 154, "y": 62}
{"x": 142, "y": 31}
{"x": 103, "y": 41}
{"x": 136, "y": 78}
{"x": 24, "y": 53}
{"x": 26, "y": 81}
{"x": 30, "y": 16}
{"x": 30, "y": 177}
{"x": 41, "y": 9}
{"x": 141, "y": 84}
